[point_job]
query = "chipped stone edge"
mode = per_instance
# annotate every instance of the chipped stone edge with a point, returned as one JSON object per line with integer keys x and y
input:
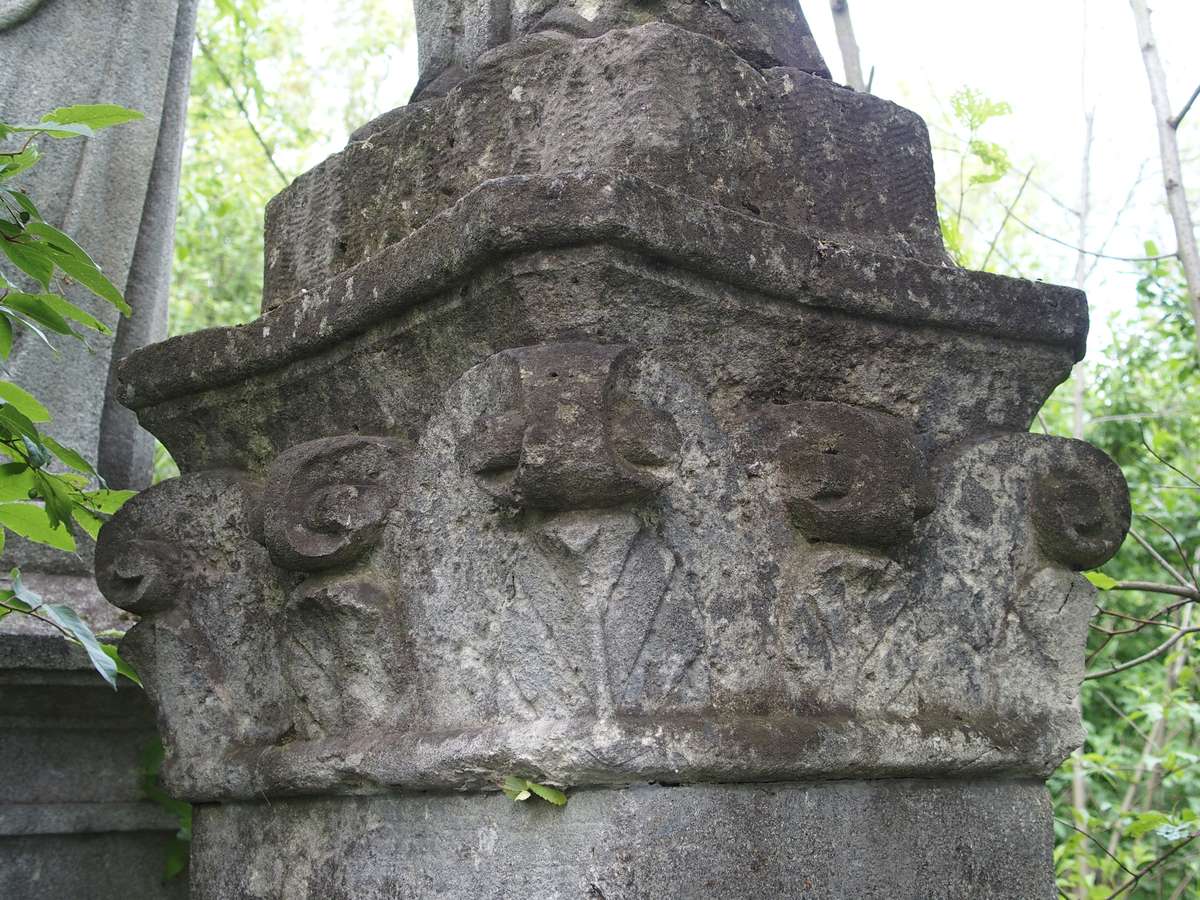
{"x": 506, "y": 216}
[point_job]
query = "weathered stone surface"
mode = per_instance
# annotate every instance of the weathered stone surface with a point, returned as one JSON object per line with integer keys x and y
{"x": 370, "y": 352}
{"x": 604, "y": 593}
{"x": 614, "y": 422}
{"x": 781, "y": 145}
{"x": 456, "y": 35}
{"x": 906, "y": 840}
{"x": 73, "y": 818}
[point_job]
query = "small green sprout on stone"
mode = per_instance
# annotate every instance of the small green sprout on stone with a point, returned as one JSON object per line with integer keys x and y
{"x": 521, "y": 789}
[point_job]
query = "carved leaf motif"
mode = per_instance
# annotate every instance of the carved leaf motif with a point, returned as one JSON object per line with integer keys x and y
{"x": 543, "y": 646}
{"x": 633, "y": 604}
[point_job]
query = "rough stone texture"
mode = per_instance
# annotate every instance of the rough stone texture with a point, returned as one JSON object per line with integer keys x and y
{"x": 457, "y": 35}
{"x": 73, "y": 820}
{"x": 779, "y": 144}
{"x": 903, "y": 840}
{"x": 615, "y": 421}
{"x": 115, "y": 194}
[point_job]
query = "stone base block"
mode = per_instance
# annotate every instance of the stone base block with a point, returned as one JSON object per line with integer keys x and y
{"x": 862, "y": 839}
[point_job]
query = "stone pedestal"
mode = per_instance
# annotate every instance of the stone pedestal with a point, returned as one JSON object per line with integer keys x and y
{"x": 615, "y": 422}
{"x": 74, "y": 821}
{"x": 936, "y": 840}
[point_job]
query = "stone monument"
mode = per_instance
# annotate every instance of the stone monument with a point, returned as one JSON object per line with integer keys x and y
{"x": 614, "y": 421}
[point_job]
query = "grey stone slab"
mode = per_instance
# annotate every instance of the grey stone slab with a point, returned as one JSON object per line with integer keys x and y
{"x": 122, "y": 866}
{"x": 904, "y": 840}
{"x": 73, "y": 818}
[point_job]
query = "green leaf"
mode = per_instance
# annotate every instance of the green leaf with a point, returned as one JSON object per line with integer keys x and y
{"x": 66, "y": 618}
{"x": 1100, "y": 580}
{"x": 521, "y": 789}
{"x": 41, "y": 335}
{"x": 177, "y": 858}
{"x": 106, "y": 501}
{"x": 88, "y": 522}
{"x": 514, "y": 787}
{"x": 31, "y": 521}
{"x": 6, "y": 336}
{"x": 1146, "y": 822}
{"x": 65, "y": 130}
{"x": 31, "y": 258}
{"x": 24, "y": 401}
{"x": 22, "y": 200}
{"x": 549, "y": 794}
{"x": 56, "y": 493}
{"x": 123, "y": 667}
{"x": 16, "y": 481}
{"x": 32, "y": 306}
{"x": 69, "y": 457}
{"x": 69, "y": 310}
{"x": 72, "y": 259}
{"x": 93, "y": 115}
{"x": 17, "y": 163}
{"x": 17, "y": 423}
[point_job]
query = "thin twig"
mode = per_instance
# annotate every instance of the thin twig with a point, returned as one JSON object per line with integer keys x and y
{"x": 1173, "y": 468}
{"x": 1153, "y": 587}
{"x": 1096, "y": 842}
{"x": 1152, "y": 866}
{"x": 1176, "y": 121}
{"x": 1133, "y": 259}
{"x": 1158, "y": 558}
{"x": 1008, "y": 214}
{"x": 1145, "y": 657}
{"x": 242, "y": 106}
{"x": 1183, "y": 557}
{"x": 32, "y": 613}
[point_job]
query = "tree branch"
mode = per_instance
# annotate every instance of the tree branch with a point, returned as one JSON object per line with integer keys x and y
{"x": 1008, "y": 214}
{"x": 848, "y": 44}
{"x": 1142, "y": 873}
{"x": 1063, "y": 243}
{"x": 1176, "y": 121}
{"x": 1172, "y": 165}
{"x": 1145, "y": 657}
{"x": 242, "y": 106}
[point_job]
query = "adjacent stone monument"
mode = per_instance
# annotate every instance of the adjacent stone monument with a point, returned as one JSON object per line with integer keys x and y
{"x": 615, "y": 421}
{"x": 73, "y": 818}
